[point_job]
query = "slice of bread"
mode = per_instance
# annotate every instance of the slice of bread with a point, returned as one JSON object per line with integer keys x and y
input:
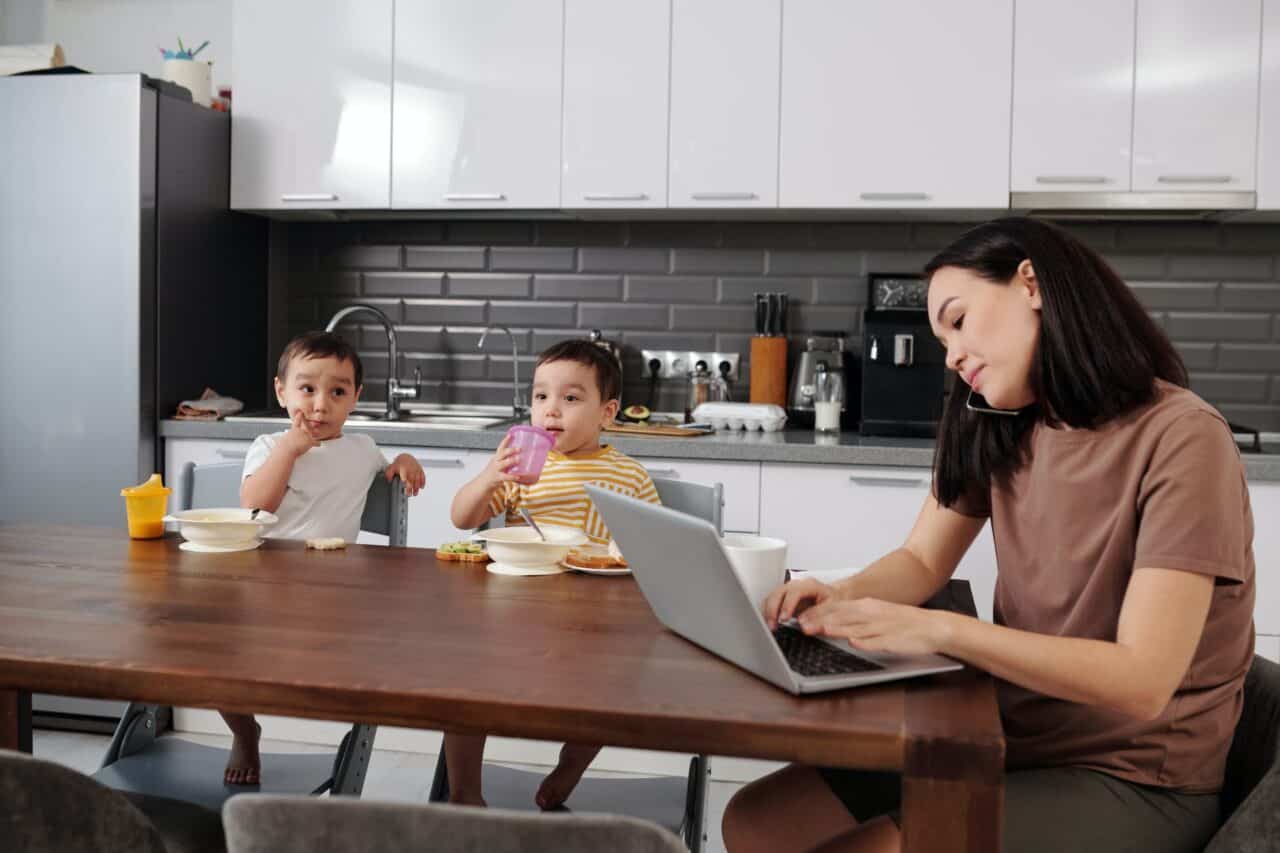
{"x": 327, "y": 543}
{"x": 462, "y": 552}
{"x": 594, "y": 559}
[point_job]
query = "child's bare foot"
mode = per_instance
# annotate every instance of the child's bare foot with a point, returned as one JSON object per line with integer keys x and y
{"x": 559, "y": 784}
{"x": 244, "y": 767}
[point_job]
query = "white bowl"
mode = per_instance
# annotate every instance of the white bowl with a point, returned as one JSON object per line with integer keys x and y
{"x": 520, "y": 546}
{"x": 220, "y": 526}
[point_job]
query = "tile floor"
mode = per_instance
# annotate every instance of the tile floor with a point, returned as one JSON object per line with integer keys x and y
{"x": 397, "y": 776}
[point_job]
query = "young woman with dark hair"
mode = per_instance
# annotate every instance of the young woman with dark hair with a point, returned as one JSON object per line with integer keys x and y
{"x": 1124, "y": 599}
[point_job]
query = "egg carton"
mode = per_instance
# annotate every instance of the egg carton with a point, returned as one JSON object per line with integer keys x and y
{"x": 748, "y": 416}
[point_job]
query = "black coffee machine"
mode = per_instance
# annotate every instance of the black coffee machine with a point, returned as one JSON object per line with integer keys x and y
{"x": 903, "y": 364}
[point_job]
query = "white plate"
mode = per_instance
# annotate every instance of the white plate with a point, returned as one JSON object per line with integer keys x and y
{"x": 594, "y": 571}
{"x": 220, "y": 549}
{"x": 519, "y": 571}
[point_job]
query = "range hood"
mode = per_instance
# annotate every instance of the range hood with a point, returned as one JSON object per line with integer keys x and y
{"x": 1145, "y": 206}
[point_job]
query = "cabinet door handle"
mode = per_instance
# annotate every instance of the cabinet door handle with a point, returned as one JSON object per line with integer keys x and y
{"x": 305, "y": 197}
{"x": 876, "y": 480}
{"x": 894, "y": 196}
{"x": 1194, "y": 179}
{"x": 723, "y": 196}
{"x": 231, "y": 454}
{"x": 664, "y": 472}
{"x": 1070, "y": 179}
{"x": 439, "y": 463}
{"x": 615, "y": 196}
{"x": 475, "y": 197}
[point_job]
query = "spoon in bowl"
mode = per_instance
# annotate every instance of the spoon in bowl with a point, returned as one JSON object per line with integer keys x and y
{"x": 524, "y": 513}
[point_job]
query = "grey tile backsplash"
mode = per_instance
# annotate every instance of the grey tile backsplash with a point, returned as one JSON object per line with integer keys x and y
{"x": 687, "y": 285}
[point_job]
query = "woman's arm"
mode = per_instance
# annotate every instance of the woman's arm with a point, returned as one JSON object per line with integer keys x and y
{"x": 1161, "y": 620}
{"x": 923, "y": 565}
{"x": 907, "y": 575}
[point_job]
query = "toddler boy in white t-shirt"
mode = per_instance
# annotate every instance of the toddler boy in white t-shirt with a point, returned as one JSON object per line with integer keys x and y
{"x": 312, "y": 477}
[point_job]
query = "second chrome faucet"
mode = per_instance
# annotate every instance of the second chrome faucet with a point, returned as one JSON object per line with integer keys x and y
{"x": 518, "y": 409}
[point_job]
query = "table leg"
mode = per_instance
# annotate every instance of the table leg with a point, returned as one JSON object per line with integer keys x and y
{"x": 951, "y": 815}
{"x": 15, "y": 720}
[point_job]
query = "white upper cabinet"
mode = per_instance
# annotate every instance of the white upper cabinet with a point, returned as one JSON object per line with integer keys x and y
{"x": 1072, "y": 95}
{"x": 725, "y": 57}
{"x": 312, "y": 121}
{"x": 896, "y": 103}
{"x": 477, "y": 104}
{"x": 616, "y": 66}
{"x": 1195, "y": 114}
{"x": 1269, "y": 119}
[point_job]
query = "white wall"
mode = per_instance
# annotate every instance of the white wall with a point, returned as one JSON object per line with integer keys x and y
{"x": 122, "y": 35}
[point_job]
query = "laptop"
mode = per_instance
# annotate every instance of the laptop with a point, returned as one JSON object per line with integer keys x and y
{"x": 686, "y": 576}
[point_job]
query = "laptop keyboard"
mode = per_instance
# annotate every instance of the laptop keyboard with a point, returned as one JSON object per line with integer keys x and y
{"x": 811, "y": 656}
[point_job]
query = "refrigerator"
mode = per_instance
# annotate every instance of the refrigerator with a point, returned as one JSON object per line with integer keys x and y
{"x": 126, "y": 286}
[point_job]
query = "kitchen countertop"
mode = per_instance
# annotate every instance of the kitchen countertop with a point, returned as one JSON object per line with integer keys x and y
{"x": 791, "y": 445}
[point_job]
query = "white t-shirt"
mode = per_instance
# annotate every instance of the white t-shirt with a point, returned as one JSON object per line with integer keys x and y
{"x": 327, "y": 488}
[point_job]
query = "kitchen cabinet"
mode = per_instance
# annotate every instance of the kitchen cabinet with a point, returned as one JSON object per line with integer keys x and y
{"x": 447, "y": 470}
{"x": 201, "y": 451}
{"x": 896, "y": 104}
{"x": 845, "y": 517}
{"x": 725, "y": 77}
{"x": 1072, "y": 96}
{"x": 1195, "y": 110}
{"x": 1269, "y": 111}
{"x": 741, "y": 481}
{"x": 312, "y": 122}
{"x": 616, "y": 85}
{"x": 477, "y": 104}
{"x": 1264, "y": 500}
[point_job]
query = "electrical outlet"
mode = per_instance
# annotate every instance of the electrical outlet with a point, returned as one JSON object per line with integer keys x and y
{"x": 678, "y": 364}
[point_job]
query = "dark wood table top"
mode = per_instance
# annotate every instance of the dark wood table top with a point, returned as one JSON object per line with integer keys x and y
{"x": 393, "y": 636}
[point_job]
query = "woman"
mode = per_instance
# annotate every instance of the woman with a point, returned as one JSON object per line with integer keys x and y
{"x": 1124, "y": 600}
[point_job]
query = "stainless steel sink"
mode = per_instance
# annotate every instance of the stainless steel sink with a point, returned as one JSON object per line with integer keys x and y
{"x": 435, "y": 417}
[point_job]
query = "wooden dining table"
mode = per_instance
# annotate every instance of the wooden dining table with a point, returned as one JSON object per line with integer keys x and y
{"x": 393, "y": 636}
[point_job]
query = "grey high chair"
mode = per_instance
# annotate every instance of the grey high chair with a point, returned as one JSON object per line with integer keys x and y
{"x": 674, "y": 803}
{"x": 138, "y": 760}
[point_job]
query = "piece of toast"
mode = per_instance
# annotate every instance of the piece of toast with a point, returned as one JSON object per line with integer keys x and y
{"x": 595, "y": 559}
{"x": 327, "y": 543}
{"x": 456, "y": 556}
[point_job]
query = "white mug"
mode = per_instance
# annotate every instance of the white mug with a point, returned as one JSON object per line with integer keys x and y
{"x": 760, "y": 563}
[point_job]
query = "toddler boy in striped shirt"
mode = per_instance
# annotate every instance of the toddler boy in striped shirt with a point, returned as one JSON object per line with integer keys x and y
{"x": 577, "y": 388}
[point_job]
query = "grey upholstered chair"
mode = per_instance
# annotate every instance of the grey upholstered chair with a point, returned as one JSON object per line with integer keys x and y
{"x": 138, "y": 761}
{"x": 274, "y": 824}
{"x": 48, "y": 808}
{"x": 675, "y": 803}
{"x": 1251, "y": 790}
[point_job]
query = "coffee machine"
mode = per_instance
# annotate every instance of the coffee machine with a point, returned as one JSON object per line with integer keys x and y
{"x": 903, "y": 364}
{"x": 829, "y": 349}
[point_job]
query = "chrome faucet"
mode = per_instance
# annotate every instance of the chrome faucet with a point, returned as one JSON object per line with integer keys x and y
{"x": 518, "y": 409}
{"x": 395, "y": 392}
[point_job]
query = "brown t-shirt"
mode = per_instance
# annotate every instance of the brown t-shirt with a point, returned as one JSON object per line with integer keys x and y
{"x": 1162, "y": 487}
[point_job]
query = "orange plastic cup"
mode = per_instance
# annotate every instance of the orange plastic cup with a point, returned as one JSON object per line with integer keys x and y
{"x": 145, "y": 506}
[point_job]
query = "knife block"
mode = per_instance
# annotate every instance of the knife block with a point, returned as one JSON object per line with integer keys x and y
{"x": 769, "y": 370}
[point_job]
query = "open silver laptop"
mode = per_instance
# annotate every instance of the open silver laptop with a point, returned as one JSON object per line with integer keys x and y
{"x": 686, "y": 576}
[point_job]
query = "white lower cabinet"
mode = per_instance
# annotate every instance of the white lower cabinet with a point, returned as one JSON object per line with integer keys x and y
{"x": 1264, "y": 499}
{"x": 741, "y": 481}
{"x": 845, "y": 517}
{"x": 447, "y": 470}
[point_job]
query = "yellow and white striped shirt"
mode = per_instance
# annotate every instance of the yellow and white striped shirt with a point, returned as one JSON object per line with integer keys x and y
{"x": 558, "y": 496}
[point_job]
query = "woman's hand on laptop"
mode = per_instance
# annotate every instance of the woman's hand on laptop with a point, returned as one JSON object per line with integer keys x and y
{"x": 794, "y": 598}
{"x": 873, "y": 625}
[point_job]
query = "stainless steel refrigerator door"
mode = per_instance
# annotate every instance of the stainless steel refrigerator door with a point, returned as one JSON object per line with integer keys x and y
{"x": 77, "y": 300}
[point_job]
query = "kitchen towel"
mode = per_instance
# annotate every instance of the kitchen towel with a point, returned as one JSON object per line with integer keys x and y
{"x": 210, "y": 407}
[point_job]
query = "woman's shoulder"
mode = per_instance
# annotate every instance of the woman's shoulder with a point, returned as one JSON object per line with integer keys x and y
{"x": 1173, "y": 404}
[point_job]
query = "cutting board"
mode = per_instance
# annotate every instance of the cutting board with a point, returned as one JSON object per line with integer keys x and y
{"x": 655, "y": 429}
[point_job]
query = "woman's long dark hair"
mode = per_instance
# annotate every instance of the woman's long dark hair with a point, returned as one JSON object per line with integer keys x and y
{"x": 1098, "y": 357}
